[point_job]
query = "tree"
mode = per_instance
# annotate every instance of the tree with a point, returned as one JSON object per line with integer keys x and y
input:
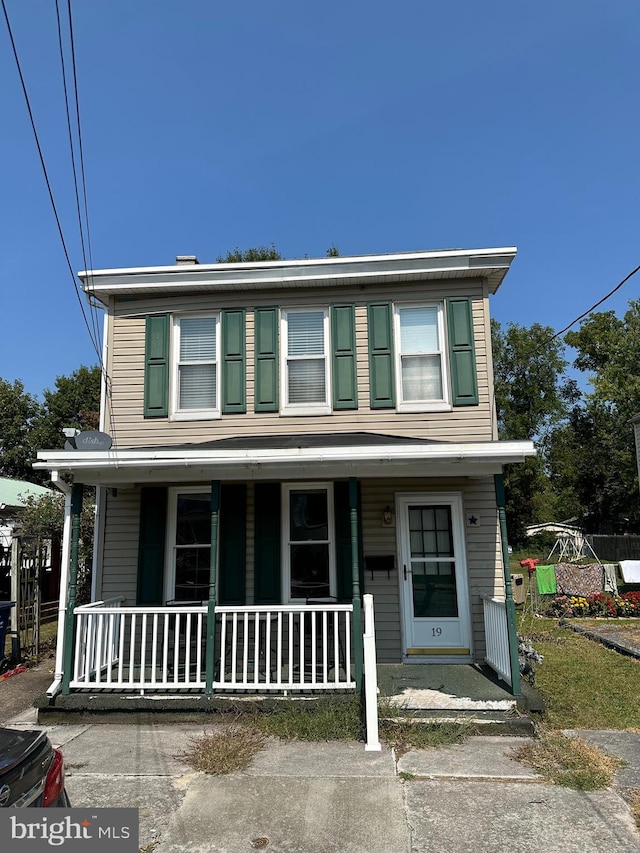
{"x": 75, "y": 402}
{"x": 257, "y": 253}
{"x": 19, "y": 412}
{"x": 599, "y": 457}
{"x": 43, "y": 518}
{"x": 532, "y": 397}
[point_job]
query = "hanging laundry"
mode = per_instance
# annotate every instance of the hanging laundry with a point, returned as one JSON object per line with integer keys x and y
{"x": 610, "y": 579}
{"x": 630, "y": 571}
{"x": 546, "y": 580}
{"x": 579, "y": 580}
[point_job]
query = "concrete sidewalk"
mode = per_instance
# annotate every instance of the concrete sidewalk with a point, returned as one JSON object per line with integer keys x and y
{"x": 326, "y": 797}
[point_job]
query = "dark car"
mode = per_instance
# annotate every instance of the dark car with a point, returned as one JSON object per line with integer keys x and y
{"x": 31, "y": 770}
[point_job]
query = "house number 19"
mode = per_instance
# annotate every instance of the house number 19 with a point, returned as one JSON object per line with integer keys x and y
{"x": 436, "y": 632}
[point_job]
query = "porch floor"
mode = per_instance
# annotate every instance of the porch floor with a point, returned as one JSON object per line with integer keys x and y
{"x": 443, "y": 687}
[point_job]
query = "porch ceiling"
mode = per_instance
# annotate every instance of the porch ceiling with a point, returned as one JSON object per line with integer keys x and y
{"x": 287, "y": 458}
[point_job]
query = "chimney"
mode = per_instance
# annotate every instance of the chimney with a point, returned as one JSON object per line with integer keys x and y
{"x": 183, "y": 260}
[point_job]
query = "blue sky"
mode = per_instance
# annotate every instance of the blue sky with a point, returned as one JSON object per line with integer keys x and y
{"x": 373, "y": 126}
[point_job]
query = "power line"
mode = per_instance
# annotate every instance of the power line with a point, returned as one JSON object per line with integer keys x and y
{"x": 81, "y": 149}
{"x": 597, "y": 305}
{"x": 46, "y": 178}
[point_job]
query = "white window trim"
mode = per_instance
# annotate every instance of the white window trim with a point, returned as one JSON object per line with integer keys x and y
{"x": 443, "y": 405}
{"x": 287, "y": 488}
{"x": 287, "y": 408}
{"x": 177, "y": 414}
{"x": 170, "y": 542}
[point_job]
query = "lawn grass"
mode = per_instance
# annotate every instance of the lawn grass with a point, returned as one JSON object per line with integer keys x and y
{"x": 584, "y": 684}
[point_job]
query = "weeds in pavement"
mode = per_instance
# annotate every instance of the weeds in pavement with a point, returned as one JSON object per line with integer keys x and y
{"x": 569, "y": 761}
{"x": 227, "y": 750}
{"x": 321, "y": 719}
{"x": 632, "y": 796}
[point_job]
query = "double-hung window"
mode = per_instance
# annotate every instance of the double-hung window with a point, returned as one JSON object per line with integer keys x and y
{"x": 188, "y": 545}
{"x": 305, "y": 361}
{"x": 309, "y": 560}
{"x": 196, "y": 370}
{"x": 421, "y": 370}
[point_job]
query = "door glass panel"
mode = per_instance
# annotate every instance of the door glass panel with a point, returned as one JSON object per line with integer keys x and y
{"x": 433, "y": 578}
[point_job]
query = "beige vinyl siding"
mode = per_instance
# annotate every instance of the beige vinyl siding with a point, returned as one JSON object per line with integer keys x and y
{"x": 126, "y": 364}
{"x": 483, "y": 551}
{"x": 120, "y": 556}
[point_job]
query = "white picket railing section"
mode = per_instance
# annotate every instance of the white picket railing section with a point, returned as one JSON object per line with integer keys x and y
{"x": 278, "y": 648}
{"x": 288, "y": 647}
{"x": 497, "y": 636}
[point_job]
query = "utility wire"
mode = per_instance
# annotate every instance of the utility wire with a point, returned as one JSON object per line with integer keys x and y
{"x": 81, "y": 152}
{"x": 597, "y": 305}
{"x": 47, "y": 181}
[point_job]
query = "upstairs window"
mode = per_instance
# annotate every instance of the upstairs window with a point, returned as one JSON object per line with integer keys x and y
{"x": 196, "y": 366}
{"x": 420, "y": 362}
{"x": 305, "y": 362}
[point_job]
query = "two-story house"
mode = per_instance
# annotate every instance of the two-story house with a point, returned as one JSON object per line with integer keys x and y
{"x": 287, "y": 435}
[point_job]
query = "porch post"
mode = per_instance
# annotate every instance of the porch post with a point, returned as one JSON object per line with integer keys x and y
{"x": 211, "y": 603}
{"x": 355, "y": 576}
{"x": 510, "y": 606}
{"x": 69, "y": 624}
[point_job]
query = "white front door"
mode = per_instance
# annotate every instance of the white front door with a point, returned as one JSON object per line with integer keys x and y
{"x": 433, "y": 575}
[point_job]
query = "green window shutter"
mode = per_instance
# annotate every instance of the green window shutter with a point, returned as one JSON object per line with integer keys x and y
{"x": 462, "y": 354}
{"x": 343, "y": 343}
{"x": 233, "y": 544}
{"x": 266, "y": 360}
{"x": 267, "y": 543}
{"x": 153, "y": 525}
{"x": 381, "y": 366}
{"x": 342, "y": 520}
{"x": 156, "y": 366}
{"x": 234, "y": 399}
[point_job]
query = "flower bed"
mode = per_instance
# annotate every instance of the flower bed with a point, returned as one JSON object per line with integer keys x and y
{"x": 600, "y": 604}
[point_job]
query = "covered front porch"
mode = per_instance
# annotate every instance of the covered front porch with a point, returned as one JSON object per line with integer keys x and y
{"x": 257, "y": 587}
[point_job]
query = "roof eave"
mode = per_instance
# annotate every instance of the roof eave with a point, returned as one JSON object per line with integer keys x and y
{"x": 490, "y": 264}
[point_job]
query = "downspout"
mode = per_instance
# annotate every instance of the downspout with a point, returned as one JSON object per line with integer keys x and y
{"x": 355, "y": 578}
{"x": 65, "y": 488}
{"x": 510, "y": 606}
{"x": 210, "y": 648}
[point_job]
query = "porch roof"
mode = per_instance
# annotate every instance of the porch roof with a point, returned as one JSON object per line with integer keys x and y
{"x": 285, "y": 457}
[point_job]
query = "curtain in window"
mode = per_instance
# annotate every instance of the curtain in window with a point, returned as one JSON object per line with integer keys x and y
{"x": 420, "y": 354}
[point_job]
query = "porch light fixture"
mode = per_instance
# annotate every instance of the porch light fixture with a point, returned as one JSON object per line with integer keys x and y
{"x": 387, "y": 516}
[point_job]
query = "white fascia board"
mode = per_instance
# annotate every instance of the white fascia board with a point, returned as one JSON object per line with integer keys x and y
{"x": 266, "y": 274}
{"x": 301, "y": 262}
{"x": 502, "y": 452}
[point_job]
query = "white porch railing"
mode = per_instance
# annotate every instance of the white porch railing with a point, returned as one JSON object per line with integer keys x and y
{"x": 277, "y": 648}
{"x": 497, "y": 636}
{"x": 288, "y": 647}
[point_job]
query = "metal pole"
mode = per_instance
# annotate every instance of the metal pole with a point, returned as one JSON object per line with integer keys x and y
{"x": 210, "y": 650}
{"x": 516, "y": 688}
{"x": 355, "y": 577}
{"x": 76, "y": 509}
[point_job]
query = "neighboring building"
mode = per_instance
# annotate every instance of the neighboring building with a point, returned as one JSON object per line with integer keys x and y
{"x": 286, "y": 436}
{"x": 14, "y": 495}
